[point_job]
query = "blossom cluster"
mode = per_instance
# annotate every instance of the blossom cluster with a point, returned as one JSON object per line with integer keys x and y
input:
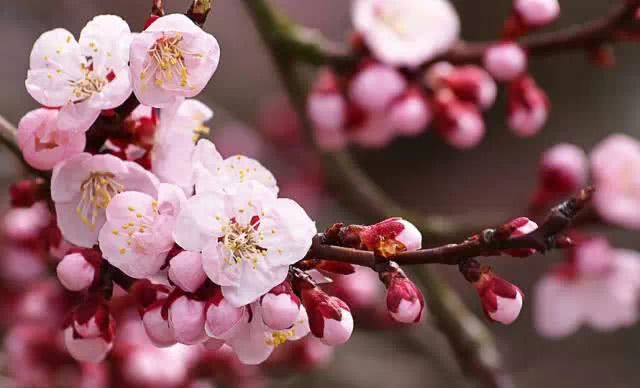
{"x": 201, "y": 245}
{"x": 401, "y": 85}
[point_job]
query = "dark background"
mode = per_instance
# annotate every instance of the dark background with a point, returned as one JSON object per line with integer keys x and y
{"x": 587, "y": 103}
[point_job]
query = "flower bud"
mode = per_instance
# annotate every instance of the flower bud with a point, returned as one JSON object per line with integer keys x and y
{"x": 528, "y": 107}
{"x": 89, "y": 335}
{"x": 505, "y": 61}
{"x": 222, "y": 319}
{"x": 411, "y": 114}
{"x": 27, "y": 192}
{"x": 472, "y": 84}
{"x": 437, "y": 73}
{"x": 329, "y": 317}
{"x": 280, "y": 307}
{"x": 186, "y": 319}
{"x": 375, "y": 86}
{"x": 157, "y": 327}
{"x": 458, "y": 122}
{"x": 405, "y": 301}
{"x": 537, "y": 13}
{"x": 185, "y": 271}
{"x": 391, "y": 236}
{"x": 75, "y": 272}
{"x": 501, "y": 300}
{"x": 521, "y": 226}
{"x": 564, "y": 169}
{"x": 327, "y": 110}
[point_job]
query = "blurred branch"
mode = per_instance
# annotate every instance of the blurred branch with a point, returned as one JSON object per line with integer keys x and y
{"x": 452, "y": 315}
{"x": 489, "y": 242}
{"x": 309, "y": 46}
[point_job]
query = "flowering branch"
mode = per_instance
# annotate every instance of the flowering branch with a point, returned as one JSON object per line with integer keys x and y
{"x": 486, "y": 243}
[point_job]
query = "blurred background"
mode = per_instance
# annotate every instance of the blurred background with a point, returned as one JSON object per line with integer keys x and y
{"x": 587, "y": 103}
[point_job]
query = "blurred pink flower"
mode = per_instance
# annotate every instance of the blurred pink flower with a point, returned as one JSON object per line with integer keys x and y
{"x": 528, "y": 107}
{"x": 537, "y": 12}
{"x": 505, "y": 61}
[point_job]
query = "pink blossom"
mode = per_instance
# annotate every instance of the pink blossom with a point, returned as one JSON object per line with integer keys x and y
{"x": 186, "y": 320}
{"x": 171, "y": 59}
{"x": 406, "y": 33}
{"x": 598, "y": 287}
{"x": 212, "y": 173}
{"x": 247, "y": 240}
{"x": 42, "y": 143}
{"x": 472, "y": 84}
{"x": 330, "y": 318}
{"x": 179, "y": 127}
{"x": 614, "y": 164}
{"x": 528, "y": 107}
{"x": 82, "y": 77}
{"x": 505, "y": 61}
{"x": 185, "y": 271}
{"x": 458, "y": 122}
{"x": 327, "y": 110}
{"x": 375, "y": 86}
{"x": 280, "y": 307}
{"x": 537, "y": 12}
{"x": 75, "y": 272}
{"x": 83, "y": 186}
{"x": 138, "y": 232}
{"x": 254, "y": 342}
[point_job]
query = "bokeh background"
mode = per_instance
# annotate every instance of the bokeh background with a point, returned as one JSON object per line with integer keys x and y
{"x": 587, "y": 103}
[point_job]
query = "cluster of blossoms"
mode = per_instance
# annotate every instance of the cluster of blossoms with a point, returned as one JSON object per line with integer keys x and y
{"x": 397, "y": 89}
{"x": 139, "y": 209}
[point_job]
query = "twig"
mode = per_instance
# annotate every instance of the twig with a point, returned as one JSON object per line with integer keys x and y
{"x": 489, "y": 242}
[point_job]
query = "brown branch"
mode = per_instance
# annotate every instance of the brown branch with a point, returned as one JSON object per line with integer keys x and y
{"x": 489, "y": 242}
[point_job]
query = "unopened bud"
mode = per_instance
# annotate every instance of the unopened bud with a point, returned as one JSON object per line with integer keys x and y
{"x": 537, "y": 13}
{"x": 89, "y": 335}
{"x": 521, "y": 226}
{"x": 375, "y": 86}
{"x": 185, "y": 271}
{"x": 405, "y": 301}
{"x": 501, "y": 300}
{"x": 222, "y": 319}
{"x": 391, "y": 236}
{"x": 75, "y": 272}
{"x": 280, "y": 307}
{"x": 528, "y": 107}
{"x": 330, "y": 318}
{"x": 411, "y": 114}
{"x": 472, "y": 84}
{"x": 157, "y": 327}
{"x": 459, "y": 123}
{"x": 186, "y": 319}
{"x": 505, "y": 61}
{"x": 26, "y": 192}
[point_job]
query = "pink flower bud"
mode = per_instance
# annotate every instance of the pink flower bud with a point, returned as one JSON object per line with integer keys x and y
{"x": 404, "y": 300}
{"x": 505, "y": 61}
{"x": 157, "y": 327}
{"x": 437, "y": 73}
{"x": 185, "y": 271}
{"x": 223, "y": 319}
{"x": 522, "y": 226}
{"x": 458, "y": 122}
{"x": 528, "y": 107}
{"x": 537, "y": 13}
{"x": 212, "y": 344}
{"x": 86, "y": 349}
{"x": 329, "y": 317}
{"x": 411, "y": 114}
{"x": 186, "y": 319}
{"x": 89, "y": 335}
{"x": 564, "y": 168}
{"x": 375, "y": 87}
{"x": 280, "y": 307}
{"x": 392, "y": 235}
{"x": 26, "y": 192}
{"x": 501, "y": 300}
{"x": 472, "y": 84}
{"x": 75, "y": 273}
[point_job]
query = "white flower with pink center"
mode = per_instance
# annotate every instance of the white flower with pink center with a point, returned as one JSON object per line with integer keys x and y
{"x": 82, "y": 187}
{"x": 84, "y": 77}
{"x": 213, "y": 173}
{"x": 408, "y": 32}
{"x": 615, "y": 163}
{"x": 247, "y": 240}
{"x": 42, "y": 143}
{"x": 171, "y": 59}
{"x": 179, "y": 128}
{"x": 598, "y": 287}
{"x": 254, "y": 341}
{"x": 138, "y": 233}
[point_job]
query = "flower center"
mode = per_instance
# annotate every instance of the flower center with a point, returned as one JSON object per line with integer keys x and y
{"x": 168, "y": 56}
{"x": 95, "y": 194}
{"x": 393, "y": 20}
{"x": 280, "y": 337}
{"x": 139, "y": 232}
{"x": 242, "y": 242}
{"x": 91, "y": 84}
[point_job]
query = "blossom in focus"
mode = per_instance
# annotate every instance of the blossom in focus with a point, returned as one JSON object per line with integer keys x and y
{"x": 85, "y": 77}
{"x": 247, "y": 240}
{"x": 615, "y": 163}
{"x": 528, "y": 107}
{"x": 597, "y": 286}
{"x": 254, "y": 341}
{"x": 180, "y": 126}
{"x": 82, "y": 187}
{"x": 171, "y": 59}
{"x": 404, "y": 300}
{"x": 42, "y": 143}
{"x": 138, "y": 232}
{"x": 505, "y": 61}
{"x": 406, "y": 33}
{"x": 501, "y": 300}
{"x": 330, "y": 319}
{"x": 76, "y": 272}
{"x": 280, "y": 307}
